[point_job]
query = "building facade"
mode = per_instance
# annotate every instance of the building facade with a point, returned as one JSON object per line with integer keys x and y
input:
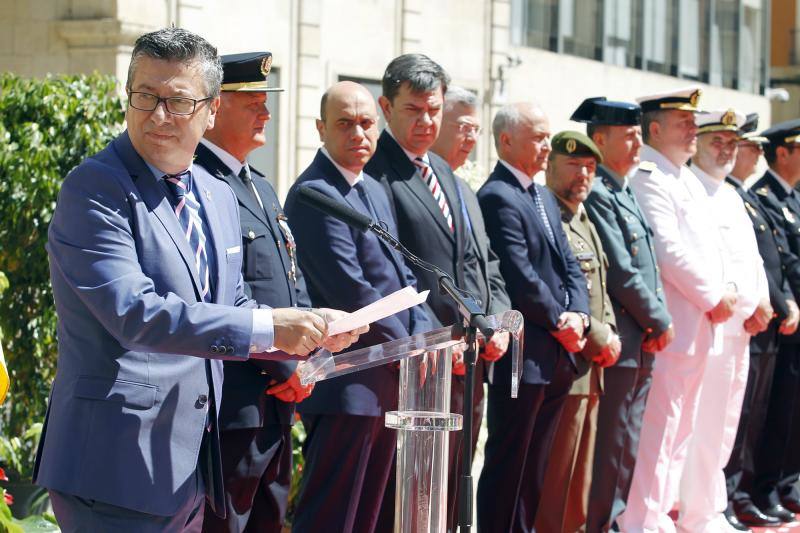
{"x": 556, "y": 52}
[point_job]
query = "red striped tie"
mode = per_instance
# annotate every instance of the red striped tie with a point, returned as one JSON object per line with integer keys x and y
{"x": 436, "y": 190}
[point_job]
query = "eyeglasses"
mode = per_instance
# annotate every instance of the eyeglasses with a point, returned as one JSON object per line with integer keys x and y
{"x": 177, "y": 105}
{"x": 467, "y": 128}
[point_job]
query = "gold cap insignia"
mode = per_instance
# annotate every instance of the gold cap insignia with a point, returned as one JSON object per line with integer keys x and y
{"x": 266, "y": 65}
{"x": 571, "y": 145}
{"x": 729, "y": 118}
{"x": 693, "y": 99}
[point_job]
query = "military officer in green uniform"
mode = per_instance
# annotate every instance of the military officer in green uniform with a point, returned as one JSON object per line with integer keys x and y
{"x": 563, "y": 509}
{"x": 634, "y": 286}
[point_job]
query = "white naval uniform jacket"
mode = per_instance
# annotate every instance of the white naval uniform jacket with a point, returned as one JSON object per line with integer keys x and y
{"x": 743, "y": 264}
{"x": 688, "y": 249}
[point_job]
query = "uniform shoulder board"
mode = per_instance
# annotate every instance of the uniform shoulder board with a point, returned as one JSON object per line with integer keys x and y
{"x": 763, "y": 191}
{"x": 648, "y": 166}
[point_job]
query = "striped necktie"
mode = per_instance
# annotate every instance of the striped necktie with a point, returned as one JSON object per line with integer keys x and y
{"x": 187, "y": 209}
{"x": 438, "y": 194}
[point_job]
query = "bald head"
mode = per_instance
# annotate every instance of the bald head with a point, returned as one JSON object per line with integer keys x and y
{"x": 521, "y": 136}
{"x": 348, "y": 124}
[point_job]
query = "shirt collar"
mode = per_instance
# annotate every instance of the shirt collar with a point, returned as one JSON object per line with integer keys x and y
{"x": 648, "y": 153}
{"x": 411, "y": 155}
{"x": 230, "y": 161}
{"x": 786, "y": 187}
{"x": 524, "y": 180}
{"x": 351, "y": 177}
{"x": 710, "y": 183}
{"x": 622, "y": 181}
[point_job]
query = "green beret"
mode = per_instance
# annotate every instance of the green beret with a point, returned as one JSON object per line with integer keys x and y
{"x": 575, "y": 144}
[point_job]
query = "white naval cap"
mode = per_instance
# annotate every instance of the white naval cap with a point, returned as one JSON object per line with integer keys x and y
{"x": 684, "y": 99}
{"x": 720, "y": 120}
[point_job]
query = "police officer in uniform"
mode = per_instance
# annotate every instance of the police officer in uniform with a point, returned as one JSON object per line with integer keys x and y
{"x": 258, "y": 397}
{"x": 570, "y": 173}
{"x": 634, "y": 285}
{"x": 776, "y": 471}
{"x": 771, "y": 242}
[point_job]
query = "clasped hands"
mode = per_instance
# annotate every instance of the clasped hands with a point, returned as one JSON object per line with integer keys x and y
{"x": 569, "y": 332}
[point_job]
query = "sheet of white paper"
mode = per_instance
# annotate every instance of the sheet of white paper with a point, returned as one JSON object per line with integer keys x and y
{"x": 386, "y": 306}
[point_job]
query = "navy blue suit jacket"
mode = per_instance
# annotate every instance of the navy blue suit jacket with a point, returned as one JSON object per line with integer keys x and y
{"x": 266, "y": 265}
{"x": 348, "y": 269}
{"x": 538, "y": 274}
{"x": 128, "y": 407}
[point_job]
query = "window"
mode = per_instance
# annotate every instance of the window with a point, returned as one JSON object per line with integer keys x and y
{"x": 580, "y": 29}
{"x": 622, "y": 43}
{"x": 265, "y": 158}
{"x": 722, "y": 42}
{"x": 539, "y": 27}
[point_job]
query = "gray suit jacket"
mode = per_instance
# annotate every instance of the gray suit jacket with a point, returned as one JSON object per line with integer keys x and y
{"x": 634, "y": 284}
{"x": 130, "y": 400}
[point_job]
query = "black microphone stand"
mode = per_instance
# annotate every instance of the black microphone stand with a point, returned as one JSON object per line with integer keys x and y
{"x": 474, "y": 319}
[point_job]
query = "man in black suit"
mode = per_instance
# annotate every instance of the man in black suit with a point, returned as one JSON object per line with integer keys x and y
{"x": 258, "y": 396}
{"x": 764, "y": 346}
{"x": 776, "y": 457}
{"x": 459, "y": 133}
{"x": 547, "y": 286}
{"x": 348, "y": 480}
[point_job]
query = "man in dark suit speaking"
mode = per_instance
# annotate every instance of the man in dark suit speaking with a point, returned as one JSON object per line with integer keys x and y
{"x": 145, "y": 262}
{"x": 348, "y": 481}
{"x": 547, "y": 286}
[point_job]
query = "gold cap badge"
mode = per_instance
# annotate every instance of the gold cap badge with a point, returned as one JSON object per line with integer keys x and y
{"x": 571, "y": 145}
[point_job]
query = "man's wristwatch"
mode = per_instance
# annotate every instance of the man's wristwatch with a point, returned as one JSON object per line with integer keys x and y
{"x": 586, "y": 322}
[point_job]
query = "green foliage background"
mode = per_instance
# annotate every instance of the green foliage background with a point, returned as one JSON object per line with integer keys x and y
{"x": 47, "y": 126}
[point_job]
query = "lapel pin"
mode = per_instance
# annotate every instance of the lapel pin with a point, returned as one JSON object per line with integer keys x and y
{"x": 208, "y": 195}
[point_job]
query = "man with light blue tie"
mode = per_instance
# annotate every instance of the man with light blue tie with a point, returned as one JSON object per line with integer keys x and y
{"x": 145, "y": 263}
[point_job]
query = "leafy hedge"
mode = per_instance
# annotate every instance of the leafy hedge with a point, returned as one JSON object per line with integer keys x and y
{"x": 47, "y": 126}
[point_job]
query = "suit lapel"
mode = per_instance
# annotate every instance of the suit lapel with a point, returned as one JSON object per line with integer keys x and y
{"x": 411, "y": 177}
{"x": 154, "y": 196}
{"x": 220, "y": 170}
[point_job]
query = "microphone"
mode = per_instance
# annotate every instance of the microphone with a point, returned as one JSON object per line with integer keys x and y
{"x": 467, "y": 306}
{"x": 324, "y": 203}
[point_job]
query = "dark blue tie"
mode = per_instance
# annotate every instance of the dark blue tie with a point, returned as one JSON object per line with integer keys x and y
{"x": 187, "y": 209}
{"x": 537, "y": 200}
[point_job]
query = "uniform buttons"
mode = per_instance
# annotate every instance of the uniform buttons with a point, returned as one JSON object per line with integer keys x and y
{"x": 253, "y": 348}
{"x": 635, "y": 236}
{"x": 230, "y": 350}
{"x": 214, "y": 348}
{"x": 251, "y": 234}
{"x": 202, "y": 400}
{"x": 658, "y": 289}
{"x": 761, "y": 227}
{"x": 634, "y": 250}
{"x": 774, "y": 232}
{"x": 780, "y": 248}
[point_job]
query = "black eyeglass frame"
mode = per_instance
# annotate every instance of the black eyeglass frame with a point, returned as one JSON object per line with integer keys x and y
{"x": 166, "y": 101}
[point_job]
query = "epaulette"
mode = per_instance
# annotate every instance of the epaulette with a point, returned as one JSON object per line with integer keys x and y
{"x": 648, "y": 166}
{"x": 763, "y": 191}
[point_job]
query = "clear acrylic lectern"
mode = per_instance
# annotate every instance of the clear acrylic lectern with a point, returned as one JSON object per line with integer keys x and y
{"x": 423, "y": 415}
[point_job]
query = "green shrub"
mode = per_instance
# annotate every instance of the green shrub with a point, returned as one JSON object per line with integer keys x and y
{"x": 47, "y": 126}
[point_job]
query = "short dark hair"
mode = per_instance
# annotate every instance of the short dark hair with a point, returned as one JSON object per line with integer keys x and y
{"x": 771, "y": 151}
{"x": 648, "y": 118}
{"x": 591, "y": 129}
{"x": 177, "y": 44}
{"x": 420, "y": 72}
{"x": 323, "y": 102}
